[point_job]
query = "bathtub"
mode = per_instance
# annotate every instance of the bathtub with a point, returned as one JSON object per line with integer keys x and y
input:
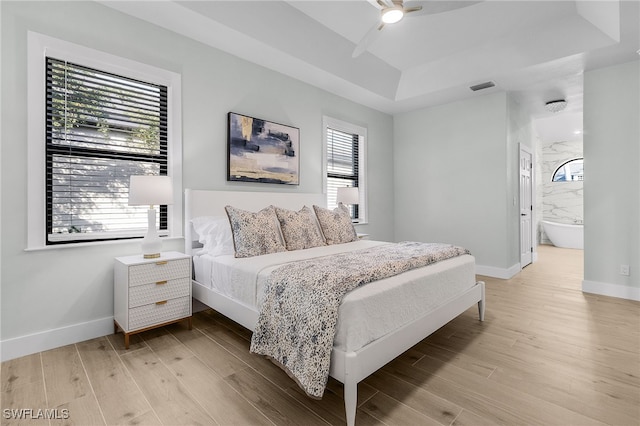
{"x": 562, "y": 235}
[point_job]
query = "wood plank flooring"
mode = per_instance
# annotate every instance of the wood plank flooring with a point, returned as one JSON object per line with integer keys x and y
{"x": 547, "y": 354}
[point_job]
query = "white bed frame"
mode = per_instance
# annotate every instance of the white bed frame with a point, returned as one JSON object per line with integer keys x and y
{"x": 348, "y": 368}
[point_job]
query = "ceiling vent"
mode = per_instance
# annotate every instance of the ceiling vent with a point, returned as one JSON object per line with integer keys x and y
{"x": 481, "y": 86}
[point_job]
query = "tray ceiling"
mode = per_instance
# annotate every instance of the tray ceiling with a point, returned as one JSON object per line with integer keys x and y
{"x": 535, "y": 49}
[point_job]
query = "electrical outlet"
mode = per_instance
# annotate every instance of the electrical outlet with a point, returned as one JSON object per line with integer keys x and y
{"x": 624, "y": 270}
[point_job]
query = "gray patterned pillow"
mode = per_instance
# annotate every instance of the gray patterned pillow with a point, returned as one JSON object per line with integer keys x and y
{"x": 336, "y": 224}
{"x": 299, "y": 229}
{"x": 255, "y": 233}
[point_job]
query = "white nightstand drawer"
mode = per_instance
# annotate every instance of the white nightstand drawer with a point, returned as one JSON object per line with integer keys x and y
{"x": 150, "y": 293}
{"x": 158, "y": 313}
{"x": 162, "y": 270}
{"x": 160, "y": 290}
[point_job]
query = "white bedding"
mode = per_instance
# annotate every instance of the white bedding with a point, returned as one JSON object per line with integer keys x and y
{"x": 366, "y": 313}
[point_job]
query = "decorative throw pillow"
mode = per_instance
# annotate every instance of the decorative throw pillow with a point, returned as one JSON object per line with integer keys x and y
{"x": 255, "y": 233}
{"x": 336, "y": 224}
{"x": 299, "y": 229}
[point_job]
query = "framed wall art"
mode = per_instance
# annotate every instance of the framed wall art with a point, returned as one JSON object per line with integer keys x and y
{"x": 262, "y": 151}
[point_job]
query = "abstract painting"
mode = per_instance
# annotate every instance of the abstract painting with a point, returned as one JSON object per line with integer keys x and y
{"x": 262, "y": 151}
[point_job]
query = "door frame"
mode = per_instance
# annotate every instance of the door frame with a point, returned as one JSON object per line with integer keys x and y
{"x": 534, "y": 234}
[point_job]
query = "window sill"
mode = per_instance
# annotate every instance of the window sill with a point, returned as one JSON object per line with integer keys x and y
{"x": 95, "y": 243}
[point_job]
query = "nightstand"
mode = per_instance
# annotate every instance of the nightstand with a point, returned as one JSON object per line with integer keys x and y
{"x": 150, "y": 293}
{"x": 362, "y": 236}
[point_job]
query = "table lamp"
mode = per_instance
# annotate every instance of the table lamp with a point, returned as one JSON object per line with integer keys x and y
{"x": 150, "y": 190}
{"x": 348, "y": 195}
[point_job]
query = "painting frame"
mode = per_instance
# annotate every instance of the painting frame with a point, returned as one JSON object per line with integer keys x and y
{"x": 262, "y": 151}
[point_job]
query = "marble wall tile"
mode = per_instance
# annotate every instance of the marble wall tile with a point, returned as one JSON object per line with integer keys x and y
{"x": 561, "y": 201}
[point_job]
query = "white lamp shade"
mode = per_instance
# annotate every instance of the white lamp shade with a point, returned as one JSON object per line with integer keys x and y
{"x": 348, "y": 195}
{"x": 150, "y": 190}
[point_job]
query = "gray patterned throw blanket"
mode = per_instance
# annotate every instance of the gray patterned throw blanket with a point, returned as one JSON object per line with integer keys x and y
{"x": 297, "y": 322}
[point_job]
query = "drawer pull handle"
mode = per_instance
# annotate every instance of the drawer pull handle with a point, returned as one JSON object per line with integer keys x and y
{"x": 161, "y": 303}
{"x": 162, "y": 262}
{"x": 161, "y": 282}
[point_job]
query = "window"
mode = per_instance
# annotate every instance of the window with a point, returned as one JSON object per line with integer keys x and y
{"x": 103, "y": 119}
{"x": 101, "y": 128}
{"x": 572, "y": 170}
{"x": 345, "y": 147}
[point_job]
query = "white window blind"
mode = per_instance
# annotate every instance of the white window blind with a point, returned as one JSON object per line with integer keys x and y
{"x": 101, "y": 128}
{"x": 342, "y": 165}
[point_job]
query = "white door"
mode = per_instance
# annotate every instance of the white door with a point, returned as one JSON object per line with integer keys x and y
{"x": 526, "y": 206}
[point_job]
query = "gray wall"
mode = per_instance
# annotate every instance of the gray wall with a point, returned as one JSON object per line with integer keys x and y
{"x": 612, "y": 179}
{"x": 54, "y": 296}
{"x": 519, "y": 133}
{"x": 453, "y": 180}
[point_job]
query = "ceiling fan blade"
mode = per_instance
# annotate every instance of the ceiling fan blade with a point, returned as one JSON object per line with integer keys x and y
{"x": 366, "y": 41}
{"x": 412, "y": 9}
{"x": 435, "y": 7}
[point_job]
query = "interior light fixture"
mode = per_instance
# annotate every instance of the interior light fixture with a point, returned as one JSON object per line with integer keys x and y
{"x": 392, "y": 15}
{"x": 555, "y": 106}
{"x": 348, "y": 195}
{"x": 150, "y": 191}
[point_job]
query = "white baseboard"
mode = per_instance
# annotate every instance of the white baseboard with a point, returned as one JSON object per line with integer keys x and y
{"x": 612, "y": 290}
{"x": 50, "y": 339}
{"x": 502, "y": 273}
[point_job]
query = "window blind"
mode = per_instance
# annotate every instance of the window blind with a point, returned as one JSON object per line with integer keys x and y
{"x": 342, "y": 165}
{"x": 101, "y": 128}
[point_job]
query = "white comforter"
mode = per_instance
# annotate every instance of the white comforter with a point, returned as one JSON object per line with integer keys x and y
{"x": 366, "y": 313}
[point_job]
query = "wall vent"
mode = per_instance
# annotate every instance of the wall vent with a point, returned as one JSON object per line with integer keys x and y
{"x": 482, "y": 86}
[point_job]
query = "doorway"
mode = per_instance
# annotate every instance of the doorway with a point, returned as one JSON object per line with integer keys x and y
{"x": 526, "y": 206}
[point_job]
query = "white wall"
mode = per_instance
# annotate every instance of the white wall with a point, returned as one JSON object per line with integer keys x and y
{"x": 453, "y": 182}
{"x": 57, "y": 296}
{"x": 611, "y": 182}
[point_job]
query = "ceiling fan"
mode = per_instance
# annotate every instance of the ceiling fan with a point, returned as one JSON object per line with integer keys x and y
{"x": 393, "y": 11}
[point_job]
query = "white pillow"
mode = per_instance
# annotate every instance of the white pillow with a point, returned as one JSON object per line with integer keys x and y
{"x": 214, "y": 233}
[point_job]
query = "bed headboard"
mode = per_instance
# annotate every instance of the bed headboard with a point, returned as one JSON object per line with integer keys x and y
{"x": 212, "y": 203}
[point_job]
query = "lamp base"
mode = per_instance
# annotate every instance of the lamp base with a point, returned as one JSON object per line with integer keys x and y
{"x": 151, "y": 243}
{"x": 151, "y": 247}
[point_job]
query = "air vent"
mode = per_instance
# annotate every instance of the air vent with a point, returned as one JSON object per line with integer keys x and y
{"x": 482, "y": 86}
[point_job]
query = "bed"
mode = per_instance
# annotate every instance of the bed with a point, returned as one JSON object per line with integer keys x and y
{"x": 371, "y": 331}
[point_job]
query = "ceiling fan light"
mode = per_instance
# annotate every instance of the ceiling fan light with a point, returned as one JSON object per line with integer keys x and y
{"x": 392, "y": 15}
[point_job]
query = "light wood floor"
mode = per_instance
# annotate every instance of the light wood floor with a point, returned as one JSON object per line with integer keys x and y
{"x": 547, "y": 354}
